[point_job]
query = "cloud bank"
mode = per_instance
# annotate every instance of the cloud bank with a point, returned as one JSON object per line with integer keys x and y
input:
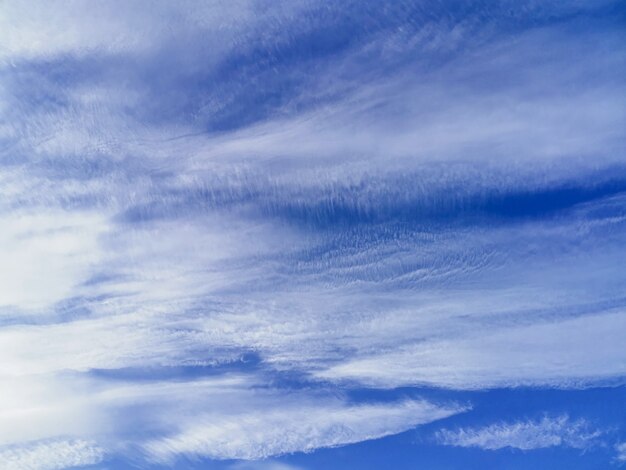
{"x": 221, "y": 219}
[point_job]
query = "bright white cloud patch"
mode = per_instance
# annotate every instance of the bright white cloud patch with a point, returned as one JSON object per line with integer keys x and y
{"x": 524, "y": 435}
{"x": 51, "y": 455}
{"x": 46, "y": 255}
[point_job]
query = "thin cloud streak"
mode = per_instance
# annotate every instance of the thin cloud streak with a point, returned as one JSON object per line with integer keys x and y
{"x": 524, "y": 435}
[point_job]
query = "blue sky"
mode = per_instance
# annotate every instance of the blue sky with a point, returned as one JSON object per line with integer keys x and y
{"x": 303, "y": 234}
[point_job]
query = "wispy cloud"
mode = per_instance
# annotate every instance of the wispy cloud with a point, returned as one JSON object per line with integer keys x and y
{"x": 223, "y": 417}
{"x": 51, "y": 455}
{"x": 291, "y": 427}
{"x": 525, "y": 435}
{"x": 263, "y": 465}
{"x": 552, "y": 353}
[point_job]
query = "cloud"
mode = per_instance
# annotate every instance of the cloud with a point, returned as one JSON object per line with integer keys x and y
{"x": 51, "y": 455}
{"x": 46, "y": 255}
{"x": 292, "y": 427}
{"x": 357, "y": 195}
{"x": 263, "y": 465}
{"x": 222, "y": 417}
{"x": 554, "y": 354}
{"x": 621, "y": 451}
{"x": 49, "y": 407}
{"x": 524, "y": 435}
{"x": 120, "y": 27}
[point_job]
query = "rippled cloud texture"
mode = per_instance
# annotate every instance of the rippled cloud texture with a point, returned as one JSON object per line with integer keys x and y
{"x": 306, "y": 234}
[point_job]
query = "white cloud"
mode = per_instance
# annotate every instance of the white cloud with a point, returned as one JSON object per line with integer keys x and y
{"x": 132, "y": 340}
{"x": 51, "y": 455}
{"x": 221, "y": 417}
{"x": 263, "y": 465}
{"x": 561, "y": 353}
{"x": 621, "y": 451}
{"x": 448, "y": 117}
{"x": 495, "y": 334}
{"x": 48, "y": 407}
{"x": 291, "y": 426}
{"x": 45, "y": 255}
{"x": 44, "y": 29}
{"x": 217, "y": 264}
{"x": 525, "y": 435}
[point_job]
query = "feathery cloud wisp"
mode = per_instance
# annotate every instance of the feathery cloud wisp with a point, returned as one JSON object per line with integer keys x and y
{"x": 524, "y": 435}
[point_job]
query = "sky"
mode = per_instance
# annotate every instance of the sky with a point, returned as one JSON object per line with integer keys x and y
{"x": 305, "y": 234}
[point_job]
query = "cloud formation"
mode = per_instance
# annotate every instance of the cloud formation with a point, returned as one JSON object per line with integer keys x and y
{"x": 356, "y": 196}
{"x": 524, "y": 435}
{"x": 291, "y": 427}
{"x": 51, "y": 455}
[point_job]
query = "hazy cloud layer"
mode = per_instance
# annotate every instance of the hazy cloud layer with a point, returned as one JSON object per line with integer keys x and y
{"x": 219, "y": 219}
